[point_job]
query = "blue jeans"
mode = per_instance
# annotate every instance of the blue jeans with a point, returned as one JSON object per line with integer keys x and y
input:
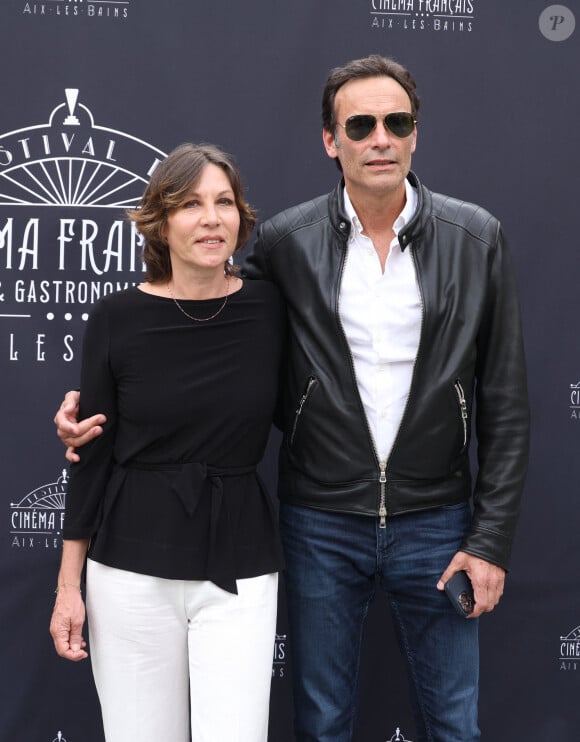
{"x": 332, "y": 564}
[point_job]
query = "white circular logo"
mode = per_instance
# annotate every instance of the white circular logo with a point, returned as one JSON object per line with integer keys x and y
{"x": 557, "y": 22}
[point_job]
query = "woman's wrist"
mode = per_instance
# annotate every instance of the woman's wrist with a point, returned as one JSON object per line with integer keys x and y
{"x": 63, "y": 585}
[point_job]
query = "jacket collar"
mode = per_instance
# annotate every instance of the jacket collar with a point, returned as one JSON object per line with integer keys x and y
{"x": 411, "y": 230}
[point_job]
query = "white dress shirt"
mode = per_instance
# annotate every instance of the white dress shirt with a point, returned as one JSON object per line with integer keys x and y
{"x": 381, "y": 314}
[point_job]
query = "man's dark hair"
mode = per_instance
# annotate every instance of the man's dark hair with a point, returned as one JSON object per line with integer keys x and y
{"x": 358, "y": 69}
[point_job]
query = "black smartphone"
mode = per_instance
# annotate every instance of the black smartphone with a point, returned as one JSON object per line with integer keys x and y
{"x": 460, "y": 592}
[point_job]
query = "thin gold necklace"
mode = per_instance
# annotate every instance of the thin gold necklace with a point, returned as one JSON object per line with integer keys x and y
{"x": 201, "y": 319}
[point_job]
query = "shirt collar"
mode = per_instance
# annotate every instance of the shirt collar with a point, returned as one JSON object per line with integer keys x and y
{"x": 404, "y": 217}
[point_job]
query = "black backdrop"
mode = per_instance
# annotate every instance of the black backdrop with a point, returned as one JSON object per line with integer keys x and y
{"x": 498, "y": 125}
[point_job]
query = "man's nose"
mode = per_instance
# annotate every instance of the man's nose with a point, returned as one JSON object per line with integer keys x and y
{"x": 380, "y": 135}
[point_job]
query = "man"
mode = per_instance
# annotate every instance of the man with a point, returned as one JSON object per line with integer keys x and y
{"x": 404, "y": 323}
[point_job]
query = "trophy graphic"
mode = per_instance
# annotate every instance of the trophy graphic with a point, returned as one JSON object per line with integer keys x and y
{"x": 72, "y": 95}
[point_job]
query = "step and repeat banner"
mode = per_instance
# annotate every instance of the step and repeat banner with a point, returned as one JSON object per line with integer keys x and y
{"x": 94, "y": 94}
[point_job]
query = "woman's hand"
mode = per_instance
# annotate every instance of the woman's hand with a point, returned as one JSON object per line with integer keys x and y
{"x": 67, "y": 622}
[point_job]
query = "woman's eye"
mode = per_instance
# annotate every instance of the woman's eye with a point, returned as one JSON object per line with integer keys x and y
{"x": 226, "y": 201}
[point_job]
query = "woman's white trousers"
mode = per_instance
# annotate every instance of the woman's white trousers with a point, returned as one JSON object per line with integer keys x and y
{"x": 169, "y": 652}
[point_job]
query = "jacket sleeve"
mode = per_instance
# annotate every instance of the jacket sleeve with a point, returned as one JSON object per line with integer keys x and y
{"x": 256, "y": 264}
{"x": 502, "y": 415}
{"x": 88, "y": 478}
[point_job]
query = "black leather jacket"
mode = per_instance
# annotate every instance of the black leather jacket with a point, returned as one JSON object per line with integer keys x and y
{"x": 470, "y": 358}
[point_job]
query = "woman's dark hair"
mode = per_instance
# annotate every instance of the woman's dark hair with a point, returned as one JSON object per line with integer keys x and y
{"x": 172, "y": 180}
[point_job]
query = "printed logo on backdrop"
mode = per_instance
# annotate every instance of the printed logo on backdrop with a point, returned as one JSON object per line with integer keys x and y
{"x": 36, "y": 521}
{"x": 279, "y": 664}
{"x": 570, "y": 650}
{"x": 440, "y": 16}
{"x": 78, "y": 8}
{"x": 557, "y": 23}
{"x": 64, "y": 238}
{"x": 398, "y": 736}
{"x": 575, "y": 401}
{"x": 59, "y": 738}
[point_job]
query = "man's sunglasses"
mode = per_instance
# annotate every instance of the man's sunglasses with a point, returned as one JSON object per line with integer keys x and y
{"x": 360, "y": 126}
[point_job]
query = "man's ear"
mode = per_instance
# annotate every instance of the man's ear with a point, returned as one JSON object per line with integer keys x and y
{"x": 331, "y": 143}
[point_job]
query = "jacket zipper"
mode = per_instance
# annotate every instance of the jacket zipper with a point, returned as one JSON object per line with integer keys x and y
{"x": 463, "y": 408}
{"x": 383, "y": 500}
{"x": 301, "y": 403}
{"x": 382, "y": 466}
{"x": 414, "y": 259}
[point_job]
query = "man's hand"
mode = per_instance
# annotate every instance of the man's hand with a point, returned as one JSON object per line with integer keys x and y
{"x": 487, "y": 580}
{"x": 66, "y": 624}
{"x": 73, "y": 433}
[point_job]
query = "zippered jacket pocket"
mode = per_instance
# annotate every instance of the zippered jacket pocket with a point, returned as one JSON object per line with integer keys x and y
{"x": 462, "y": 409}
{"x": 310, "y": 384}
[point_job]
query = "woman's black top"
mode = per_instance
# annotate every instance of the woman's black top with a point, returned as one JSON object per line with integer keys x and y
{"x": 170, "y": 488}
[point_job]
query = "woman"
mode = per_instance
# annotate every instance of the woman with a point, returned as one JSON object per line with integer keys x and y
{"x": 182, "y": 546}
